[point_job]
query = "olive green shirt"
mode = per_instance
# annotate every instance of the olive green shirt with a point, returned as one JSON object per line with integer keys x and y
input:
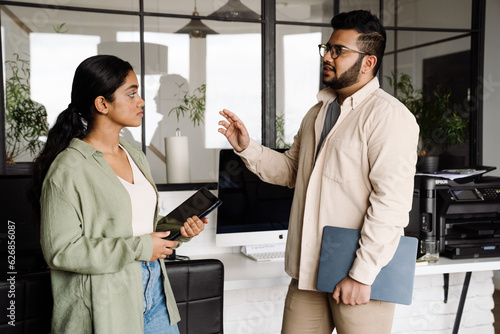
{"x": 86, "y": 237}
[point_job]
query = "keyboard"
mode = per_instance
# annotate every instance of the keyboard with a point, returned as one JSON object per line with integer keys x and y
{"x": 270, "y": 256}
{"x": 261, "y": 253}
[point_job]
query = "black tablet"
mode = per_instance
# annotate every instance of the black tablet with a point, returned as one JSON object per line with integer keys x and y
{"x": 200, "y": 204}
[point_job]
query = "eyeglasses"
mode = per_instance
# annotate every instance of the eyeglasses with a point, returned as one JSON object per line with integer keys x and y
{"x": 335, "y": 50}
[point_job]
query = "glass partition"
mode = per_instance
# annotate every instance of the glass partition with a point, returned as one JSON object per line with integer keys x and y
{"x": 438, "y": 67}
{"x": 442, "y": 14}
{"x": 297, "y": 76}
{"x": 313, "y": 11}
{"x": 202, "y": 56}
{"x": 198, "y": 77}
{"x": 95, "y": 4}
{"x": 226, "y": 9}
{"x": 371, "y": 5}
{"x": 51, "y": 51}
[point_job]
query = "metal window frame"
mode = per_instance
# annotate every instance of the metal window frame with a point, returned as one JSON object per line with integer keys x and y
{"x": 268, "y": 22}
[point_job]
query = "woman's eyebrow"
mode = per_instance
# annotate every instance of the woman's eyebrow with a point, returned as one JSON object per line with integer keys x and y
{"x": 132, "y": 87}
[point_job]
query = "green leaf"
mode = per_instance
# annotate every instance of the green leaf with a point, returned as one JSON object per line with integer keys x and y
{"x": 25, "y": 119}
{"x": 193, "y": 104}
{"x": 440, "y": 126}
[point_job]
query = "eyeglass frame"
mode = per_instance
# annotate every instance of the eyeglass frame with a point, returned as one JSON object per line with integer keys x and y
{"x": 341, "y": 47}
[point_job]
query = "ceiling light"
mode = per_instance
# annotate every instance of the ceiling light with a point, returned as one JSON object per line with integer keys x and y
{"x": 195, "y": 28}
{"x": 234, "y": 9}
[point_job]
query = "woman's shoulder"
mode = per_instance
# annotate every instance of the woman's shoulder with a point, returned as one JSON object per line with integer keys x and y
{"x": 70, "y": 161}
{"x": 73, "y": 155}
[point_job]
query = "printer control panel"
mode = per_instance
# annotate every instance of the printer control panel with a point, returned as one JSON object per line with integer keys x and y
{"x": 490, "y": 193}
{"x": 475, "y": 194}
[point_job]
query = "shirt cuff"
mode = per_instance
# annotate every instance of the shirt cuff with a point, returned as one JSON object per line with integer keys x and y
{"x": 253, "y": 149}
{"x": 363, "y": 272}
{"x": 145, "y": 248}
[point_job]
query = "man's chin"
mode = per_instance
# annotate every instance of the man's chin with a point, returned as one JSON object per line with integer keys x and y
{"x": 327, "y": 81}
{"x": 330, "y": 84}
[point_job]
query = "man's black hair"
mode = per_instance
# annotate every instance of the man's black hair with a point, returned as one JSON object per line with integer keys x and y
{"x": 373, "y": 37}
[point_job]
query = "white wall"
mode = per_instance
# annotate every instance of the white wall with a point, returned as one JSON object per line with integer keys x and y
{"x": 491, "y": 111}
{"x": 491, "y": 133}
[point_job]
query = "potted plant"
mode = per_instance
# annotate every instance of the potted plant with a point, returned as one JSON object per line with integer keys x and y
{"x": 280, "y": 132}
{"x": 441, "y": 124}
{"x": 193, "y": 104}
{"x": 25, "y": 119}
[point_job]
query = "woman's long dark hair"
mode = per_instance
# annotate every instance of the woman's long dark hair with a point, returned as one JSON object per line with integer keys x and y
{"x": 96, "y": 76}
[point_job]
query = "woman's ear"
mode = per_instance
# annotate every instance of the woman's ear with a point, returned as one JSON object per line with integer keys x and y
{"x": 100, "y": 104}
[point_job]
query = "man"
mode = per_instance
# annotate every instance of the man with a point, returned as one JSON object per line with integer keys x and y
{"x": 352, "y": 164}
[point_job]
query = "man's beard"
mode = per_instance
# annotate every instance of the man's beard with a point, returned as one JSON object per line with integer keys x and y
{"x": 348, "y": 78}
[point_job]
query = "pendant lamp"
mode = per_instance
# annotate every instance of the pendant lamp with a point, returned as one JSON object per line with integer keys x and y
{"x": 234, "y": 9}
{"x": 195, "y": 28}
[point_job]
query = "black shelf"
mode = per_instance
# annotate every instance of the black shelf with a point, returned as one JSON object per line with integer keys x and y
{"x": 186, "y": 186}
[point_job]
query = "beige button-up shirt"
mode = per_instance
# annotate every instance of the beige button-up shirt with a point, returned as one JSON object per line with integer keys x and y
{"x": 362, "y": 178}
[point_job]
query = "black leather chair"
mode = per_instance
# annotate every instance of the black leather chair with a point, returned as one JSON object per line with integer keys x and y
{"x": 198, "y": 286}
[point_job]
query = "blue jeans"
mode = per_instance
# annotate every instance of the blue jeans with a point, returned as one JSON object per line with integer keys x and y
{"x": 156, "y": 319}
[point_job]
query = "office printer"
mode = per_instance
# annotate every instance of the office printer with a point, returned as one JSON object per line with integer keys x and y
{"x": 463, "y": 214}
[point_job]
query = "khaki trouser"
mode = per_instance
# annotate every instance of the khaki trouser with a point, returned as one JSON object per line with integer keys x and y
{"x": 313, "y": 312}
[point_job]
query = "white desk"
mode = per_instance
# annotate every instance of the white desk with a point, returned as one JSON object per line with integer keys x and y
{"x": 449, "y": 266}
{"x": 241, "y": 272}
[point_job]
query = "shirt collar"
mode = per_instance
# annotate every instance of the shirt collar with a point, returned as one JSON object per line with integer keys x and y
{"x": 355, "y": 99}
{"x": 327, "y": 95}
{"x": 85, "y": 149}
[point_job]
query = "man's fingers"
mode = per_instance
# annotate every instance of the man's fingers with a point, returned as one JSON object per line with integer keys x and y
{"x": 224, "y": 124}
{"x": 336, "y": 294}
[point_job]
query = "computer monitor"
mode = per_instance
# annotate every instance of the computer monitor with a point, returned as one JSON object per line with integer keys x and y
{"x": 253, "y": 212}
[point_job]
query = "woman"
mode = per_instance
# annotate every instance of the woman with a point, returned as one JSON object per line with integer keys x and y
{"x": 98, "y": 212}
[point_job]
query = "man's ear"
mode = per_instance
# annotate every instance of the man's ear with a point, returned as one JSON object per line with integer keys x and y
{"x": 100, "y": 104}
{"x": 369, "y": 63}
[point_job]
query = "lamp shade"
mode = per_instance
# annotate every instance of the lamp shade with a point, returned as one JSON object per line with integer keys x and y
{"x": 234, "y": 9}
{"x": 195, "y": 28}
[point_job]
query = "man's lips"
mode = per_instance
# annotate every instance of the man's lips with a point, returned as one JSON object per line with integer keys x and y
{"x": 328, "y": 68}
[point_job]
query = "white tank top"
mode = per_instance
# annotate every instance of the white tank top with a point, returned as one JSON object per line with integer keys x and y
{"x": 143, "y": 200}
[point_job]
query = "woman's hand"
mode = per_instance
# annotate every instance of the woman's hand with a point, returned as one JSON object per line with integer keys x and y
{"x": 161, "y": 247}
{"x": 193, "y": 227}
